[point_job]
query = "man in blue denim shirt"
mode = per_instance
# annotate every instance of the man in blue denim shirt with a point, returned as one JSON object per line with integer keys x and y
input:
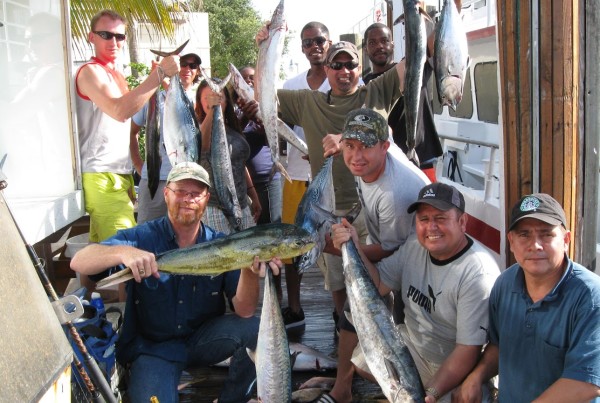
{"x": 175, "y": 321}
{"x": 544, "y": 316}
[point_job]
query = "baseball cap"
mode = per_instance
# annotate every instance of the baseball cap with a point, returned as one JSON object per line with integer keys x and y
{"x": 365, "y": 125}
{"x": 339, "y": 47}
{"x": 195, "y": 56}
{"x": 188, "y": 170}
{"x": 540, "y": 206}
{"x": 441, "y": 196}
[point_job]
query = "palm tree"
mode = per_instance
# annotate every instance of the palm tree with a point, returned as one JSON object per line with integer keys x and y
{"x": 157, "y": 13}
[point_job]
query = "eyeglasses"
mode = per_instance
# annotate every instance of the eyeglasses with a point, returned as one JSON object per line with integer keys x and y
{"x": 193, "y": 66}
{"x": 183, "y": 193}
{"x": 350, "y": 65}
{"x": 107, "y": 36}
{"x": 308, "y": 42}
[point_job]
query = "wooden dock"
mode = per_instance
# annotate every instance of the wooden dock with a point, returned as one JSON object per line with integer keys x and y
{"x": 205, "y": 383}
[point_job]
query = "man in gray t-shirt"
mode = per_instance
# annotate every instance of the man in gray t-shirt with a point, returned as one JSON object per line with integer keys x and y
{"x": 444, "y": 278}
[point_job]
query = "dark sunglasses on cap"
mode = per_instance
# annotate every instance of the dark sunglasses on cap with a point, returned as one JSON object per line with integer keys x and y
{"x": 107, "y": 36}
{"x": 192, "y": 65}
{"x": 350, "y": 65}
{"x": 308, "y": 42}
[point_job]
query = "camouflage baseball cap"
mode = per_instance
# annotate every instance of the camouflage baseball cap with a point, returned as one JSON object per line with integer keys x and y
{"x": 188, "y": 170}
{"x": 366, "y": 126}
{"x": 339, "y": 47}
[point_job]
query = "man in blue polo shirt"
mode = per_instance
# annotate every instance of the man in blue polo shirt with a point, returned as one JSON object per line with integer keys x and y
{"x": 544, "y": 316}
{"x": 175, "y": 321}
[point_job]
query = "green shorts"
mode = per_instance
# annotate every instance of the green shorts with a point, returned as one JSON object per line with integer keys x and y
{"x": 108, "y": 201}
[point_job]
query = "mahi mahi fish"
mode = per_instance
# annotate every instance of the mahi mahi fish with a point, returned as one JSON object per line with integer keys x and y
{"x": 382, "y": 344}
{"x": 451, "y": 55}
{"x": 272, "y": 355}
{"x": 180, "y": 128}
{"x": 415, "y": 37}
{"x": 267, "y": 72}
{"x": 246, "y": 92}
{"x": 232, "y": 252}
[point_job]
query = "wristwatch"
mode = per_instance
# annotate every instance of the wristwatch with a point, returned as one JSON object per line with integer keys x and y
{"x": 431, "y": 391}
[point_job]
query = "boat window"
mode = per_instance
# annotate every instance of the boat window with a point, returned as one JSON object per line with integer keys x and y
{"x": 465, "y": 107}
{"x": 486, "y": 91}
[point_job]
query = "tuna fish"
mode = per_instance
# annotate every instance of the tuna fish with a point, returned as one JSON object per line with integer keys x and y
{"x": 232, "y": 252}
{"x": 267, "y": 73}
{"x": 318, "y": 200}
{"x": 416, "y": 52}
{"x": 246, "y": 92}
{"x": 180, "y": 128}
{"x": 451, "y": 55}
{"x": 272, "y": 355}
{"x": 153, "y": 158}
{"x": 382, "y": 344}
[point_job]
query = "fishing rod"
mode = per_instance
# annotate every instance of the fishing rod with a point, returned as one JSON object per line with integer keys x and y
{"x": 95, "y": 376}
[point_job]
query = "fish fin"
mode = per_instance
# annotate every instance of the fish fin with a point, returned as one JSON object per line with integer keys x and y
{"x": 284, "y": 132}
{"x": 281, "y": 169}
{"x": 412, "y": 156}
{"x": 173, "y": 52}
{"x": 251, "y": 354}
{"x": 293, "y": 356}
{"x": 117, "y": 278}
{"x": 399, "y": 20}
{"x": 426, "y": 15}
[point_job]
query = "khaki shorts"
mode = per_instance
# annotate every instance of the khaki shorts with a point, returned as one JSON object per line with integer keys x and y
{"x": 149, "y": 208}
{"x": 331, "y": 266}
{"x": 292, "y": 196}
{"x": 108, "y": 200}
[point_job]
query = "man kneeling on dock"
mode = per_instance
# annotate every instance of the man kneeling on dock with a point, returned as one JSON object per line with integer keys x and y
{"x": 175, "y": 321}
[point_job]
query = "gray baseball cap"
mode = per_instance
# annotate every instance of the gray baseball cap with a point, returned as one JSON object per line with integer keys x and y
{"x": 188, "y": 170}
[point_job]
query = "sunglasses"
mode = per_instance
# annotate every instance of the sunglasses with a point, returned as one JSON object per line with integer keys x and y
{"x": 350, "y": 65}
{"x": 308, "y": 42}
{"x": 107, "y": 36}
{"x": 192, "y": 65}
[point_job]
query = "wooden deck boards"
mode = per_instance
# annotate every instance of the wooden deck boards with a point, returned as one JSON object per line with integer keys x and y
{"x": 205, "y": 383}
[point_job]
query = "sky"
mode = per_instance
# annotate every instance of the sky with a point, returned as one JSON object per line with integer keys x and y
{"x": 340, "y": 16}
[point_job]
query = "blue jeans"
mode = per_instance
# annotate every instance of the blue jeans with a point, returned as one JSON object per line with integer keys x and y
{"x": 216, "y": 340}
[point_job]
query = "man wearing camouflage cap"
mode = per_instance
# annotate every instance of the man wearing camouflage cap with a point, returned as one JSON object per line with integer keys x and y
{"x": 175, "y": 321}
{"x": 377, "y": 165}
{"x": 544, "y": 315}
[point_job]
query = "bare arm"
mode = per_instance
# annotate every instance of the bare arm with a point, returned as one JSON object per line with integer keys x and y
{"x": 454, "y": 369}
{"x": 569, "y": 391}
{"x": 245, "y": 300}
{"x": 96, "y": 258}
{"x": 94, "y": 83}
{"x": 487, "y": 367}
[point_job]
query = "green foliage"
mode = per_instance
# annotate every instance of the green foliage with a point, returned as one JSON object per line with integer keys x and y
{"x": 142, "y": 71}
{"x": 233, "y": 24}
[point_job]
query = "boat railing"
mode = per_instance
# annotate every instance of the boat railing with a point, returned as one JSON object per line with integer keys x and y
{"x": 491, "y": 179}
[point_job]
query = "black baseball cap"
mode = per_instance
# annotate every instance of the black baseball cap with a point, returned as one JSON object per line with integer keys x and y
{"x": 441, "y": 196}
{"x": 195, "y": 56}
{"x": 540, "y": 206}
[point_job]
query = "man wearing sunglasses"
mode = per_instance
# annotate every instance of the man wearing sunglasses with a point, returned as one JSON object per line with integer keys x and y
{"x": 104, "y": 107}
{"x": 322, "y": 117}
{"x": 150, "y": 208}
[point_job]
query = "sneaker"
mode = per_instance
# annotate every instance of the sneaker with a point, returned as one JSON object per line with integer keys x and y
{"x": 292, "y": 319}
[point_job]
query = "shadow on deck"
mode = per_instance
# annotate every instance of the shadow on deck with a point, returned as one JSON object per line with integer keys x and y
{"x": 205, "y": 383}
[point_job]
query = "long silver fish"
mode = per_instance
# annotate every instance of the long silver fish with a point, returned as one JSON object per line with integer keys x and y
{"x": 180, "y": 128}
{"x": 246, "y": 92}
{"x": 316, "y": 220}
{"x": 272, "y": 355}
{"x": 267, "y": 72}
{"x": 415, "y": 37}
{"x": 451, "y": 55}
{"x": 232, "y": 252}
{"x": 382, "y": 344}
{"x": 153, "y": 158}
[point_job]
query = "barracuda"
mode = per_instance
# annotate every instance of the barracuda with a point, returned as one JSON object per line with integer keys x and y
{"x": 232, "y": 252}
